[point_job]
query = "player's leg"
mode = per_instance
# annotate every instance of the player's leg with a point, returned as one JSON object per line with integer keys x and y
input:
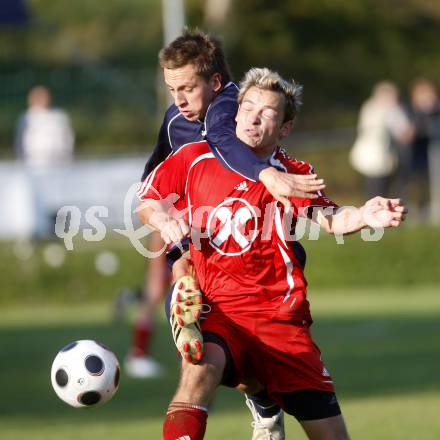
{"x": 318, "y": 413}
{"x": 188, "y": 411}
{"x": 268, "y": 417}
{"x": 315, "y": 405}
{"x": 332, "y": 428}
{"x": 268, "y": 421}
{"x": 138, "y": 362}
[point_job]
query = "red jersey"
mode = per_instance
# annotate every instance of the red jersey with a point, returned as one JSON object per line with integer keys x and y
{"x": 239, "y": 238}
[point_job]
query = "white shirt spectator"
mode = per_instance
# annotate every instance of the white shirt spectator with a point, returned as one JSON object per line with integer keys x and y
{"x": 44, "y": 137}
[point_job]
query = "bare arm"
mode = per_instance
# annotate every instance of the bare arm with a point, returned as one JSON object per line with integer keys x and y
{"x": 376, "y": 212}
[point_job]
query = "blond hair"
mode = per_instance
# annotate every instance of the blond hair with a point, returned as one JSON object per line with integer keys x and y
{"x": 267, "y": 79}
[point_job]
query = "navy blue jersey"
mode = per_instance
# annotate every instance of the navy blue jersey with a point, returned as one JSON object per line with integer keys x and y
{"x": 218, "y": 129}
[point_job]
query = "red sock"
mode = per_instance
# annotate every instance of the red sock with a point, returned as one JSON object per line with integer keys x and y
{"x": 141, "y": 338}
{"x": 184, "y": 421}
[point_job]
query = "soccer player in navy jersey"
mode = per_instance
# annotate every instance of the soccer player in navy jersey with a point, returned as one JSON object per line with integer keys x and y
{"x": 259, "y": 319}
{"x": 205, "y": 105}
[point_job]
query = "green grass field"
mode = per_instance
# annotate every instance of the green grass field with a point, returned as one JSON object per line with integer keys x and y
{"x": 380, "y": 344}
{"x": 376, "y": 308}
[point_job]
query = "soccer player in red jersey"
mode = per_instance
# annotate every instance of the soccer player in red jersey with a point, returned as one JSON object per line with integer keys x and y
{"x": 259, "y": 320}
{"x": 205, "y": 104}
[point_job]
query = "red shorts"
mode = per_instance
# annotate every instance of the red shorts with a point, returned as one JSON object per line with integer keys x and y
{"x": 277, "y": 351}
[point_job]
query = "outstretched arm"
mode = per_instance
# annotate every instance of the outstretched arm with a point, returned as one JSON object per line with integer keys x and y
{"x": 378, "y": 212}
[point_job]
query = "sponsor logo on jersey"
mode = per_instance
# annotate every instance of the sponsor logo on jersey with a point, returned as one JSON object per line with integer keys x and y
{"x": 242, "y": 186}
{"x": 232, "y": 227}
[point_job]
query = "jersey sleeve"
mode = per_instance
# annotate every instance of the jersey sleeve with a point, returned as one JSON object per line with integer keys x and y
{"x": 161, "y": 151}
{"x": 167, "y": 180}
{"x": 304, "y": 206}
{"x": 224, "y": 144}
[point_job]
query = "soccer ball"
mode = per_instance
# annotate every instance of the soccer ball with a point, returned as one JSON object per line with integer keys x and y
{"x": 85, "y": 373}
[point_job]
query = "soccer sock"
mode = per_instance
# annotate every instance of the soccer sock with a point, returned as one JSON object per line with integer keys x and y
{"x": 141, "y": 338}
{"x": 264, "y": 405}
{"x": 185, "y": 421}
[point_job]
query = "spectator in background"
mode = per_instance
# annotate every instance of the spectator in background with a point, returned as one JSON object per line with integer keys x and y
{"x": 384, "y": 132}
{"x": 425, "y": 147}
{"x": 44, "y": 136}
{"x": 44, "y": 140}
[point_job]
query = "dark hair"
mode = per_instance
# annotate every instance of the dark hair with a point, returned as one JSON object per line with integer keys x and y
{"x": 203, "y": 51}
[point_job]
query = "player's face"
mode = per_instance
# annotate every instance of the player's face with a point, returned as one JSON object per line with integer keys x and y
{"x": 260, "y": 119}
{"x": 192, "y": 93}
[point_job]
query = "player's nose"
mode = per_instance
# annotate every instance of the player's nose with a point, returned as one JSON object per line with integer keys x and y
{"x": 254, "y": 118}
{"x": 179, "y": 99}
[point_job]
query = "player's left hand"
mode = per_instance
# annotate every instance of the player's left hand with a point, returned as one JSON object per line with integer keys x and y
{"x": 382, "y": 212}
{"x": 283, "y": 185}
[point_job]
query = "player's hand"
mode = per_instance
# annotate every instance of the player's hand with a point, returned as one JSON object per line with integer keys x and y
{"x": 382, "y": 212}
{"x": 171, "y": 230}
{"x": 282, "y": 185}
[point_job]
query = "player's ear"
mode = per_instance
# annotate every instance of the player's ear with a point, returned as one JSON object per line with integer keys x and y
{"x": 216, "y": 81}
{"x": 286, "y": 128}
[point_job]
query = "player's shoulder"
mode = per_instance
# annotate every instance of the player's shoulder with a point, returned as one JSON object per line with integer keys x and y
{"x": 226, "y": 100}
{"x": 281, "y": 159}
{"x": 230, "y": 91}
{"x": 192, "y": 150}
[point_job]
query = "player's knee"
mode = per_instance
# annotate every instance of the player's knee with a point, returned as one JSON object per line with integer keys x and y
{"x": 207, "y": 373}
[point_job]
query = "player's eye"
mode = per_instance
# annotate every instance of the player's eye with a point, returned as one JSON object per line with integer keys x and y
{"x": 189, "y": 89}
{"x": 270, "y": 114}
{"x": 246, "y": 107}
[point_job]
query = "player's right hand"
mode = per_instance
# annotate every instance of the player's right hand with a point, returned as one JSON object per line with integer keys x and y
{"x": 283, "y": 185}
{"x": 174, "y": 231}
{"x": 171, "y": 230}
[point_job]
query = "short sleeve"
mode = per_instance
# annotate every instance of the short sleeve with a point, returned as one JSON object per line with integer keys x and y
{"x": 166, "y": 180}
{"x": 304, "y": 206}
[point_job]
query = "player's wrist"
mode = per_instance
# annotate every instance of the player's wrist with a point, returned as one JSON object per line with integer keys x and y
{"x": 267, "y": 175}
{"x": 363, "y": 217}
{"x": 160, "y": 220}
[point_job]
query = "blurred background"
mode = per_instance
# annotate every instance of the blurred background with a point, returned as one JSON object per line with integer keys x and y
{"x": 364, "y": 64}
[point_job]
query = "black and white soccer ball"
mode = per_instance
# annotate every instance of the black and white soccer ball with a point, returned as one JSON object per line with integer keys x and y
{"x": 85, "y": 373}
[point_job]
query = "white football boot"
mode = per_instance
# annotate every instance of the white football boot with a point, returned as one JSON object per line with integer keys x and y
{"x": 185, "y": 309}
{"x": 266, "y": 428}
